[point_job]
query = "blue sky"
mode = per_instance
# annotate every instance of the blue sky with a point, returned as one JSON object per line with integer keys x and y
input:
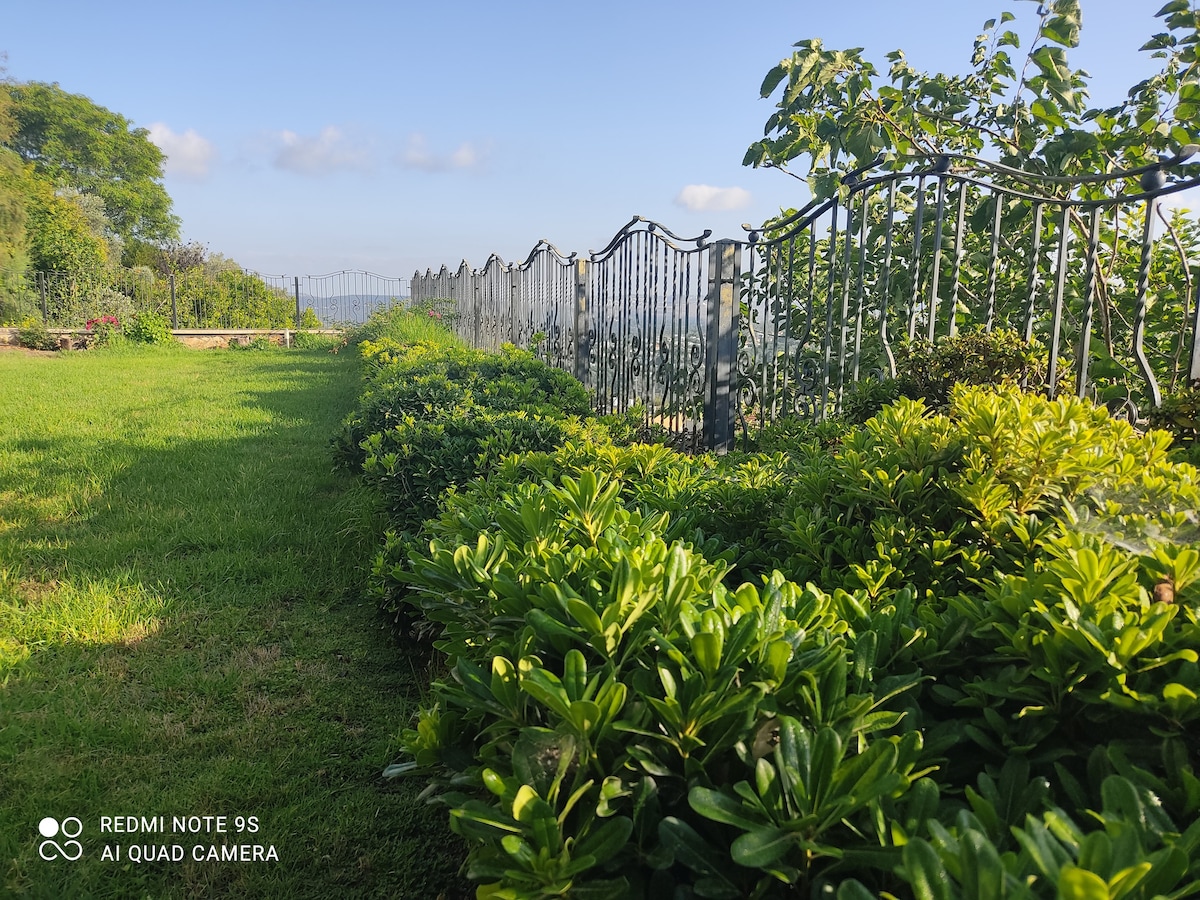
{"x": 305, "y": 138}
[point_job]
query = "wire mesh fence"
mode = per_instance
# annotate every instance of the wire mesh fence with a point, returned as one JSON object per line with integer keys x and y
{"x": 714, "y": 337}
{"x": 226, "y": 298}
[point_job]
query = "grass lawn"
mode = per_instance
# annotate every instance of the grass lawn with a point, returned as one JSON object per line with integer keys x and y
{"x": 181, "y": 635}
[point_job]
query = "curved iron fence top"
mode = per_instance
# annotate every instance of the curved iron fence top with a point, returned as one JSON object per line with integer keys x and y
{"x": 942, "y": 164}
{"x": 493, "y": 260}
{"x": 1152, "y": 180}
{"x": 545, "y": 247}
{"x": 669, "y": 238}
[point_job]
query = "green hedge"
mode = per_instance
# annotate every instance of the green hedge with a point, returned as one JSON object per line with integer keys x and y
{"x": 941, "y": 655}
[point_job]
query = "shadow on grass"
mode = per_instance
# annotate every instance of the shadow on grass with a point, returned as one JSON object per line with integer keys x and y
{"x": 198, "y": 646}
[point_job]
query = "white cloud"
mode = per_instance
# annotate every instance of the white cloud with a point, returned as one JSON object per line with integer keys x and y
{"x": 706, "y": 198}
{"x": 188, "y": 155}
{"x": 417, "y": 155}
{"x": 329, "y": 151}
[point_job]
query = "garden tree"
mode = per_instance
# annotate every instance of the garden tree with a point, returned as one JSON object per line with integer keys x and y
{"x": 13, "y": 243}
{"x": 832, "y": 115}
{"x": 834, "y": 118}
{"x": 61, "y": 235}
{"x": 75, "y": 143}
{"x": 12, "y": 195}
{"x": 94, "y": 212}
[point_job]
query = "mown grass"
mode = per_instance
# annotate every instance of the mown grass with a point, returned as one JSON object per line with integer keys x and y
{"x": 181, "y": 631}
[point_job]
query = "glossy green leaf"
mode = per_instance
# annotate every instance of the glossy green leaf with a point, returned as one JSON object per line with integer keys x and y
{"x": 720, "y": 807}
{"x": 763, "y": 847}
{"x": 688, "y": 848}
{"x": 1079, "y": 884}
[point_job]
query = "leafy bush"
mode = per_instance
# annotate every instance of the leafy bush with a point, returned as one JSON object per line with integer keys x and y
{"x": 18, "y": 299}
{"x": 148, "y": 327}
{"x": 308, "y": 319}
{"x": 33, "y": 335}
{"x": 305, "y": 340}
{"x": 402, "y": 327}
{"x": 229, "y": 298}
{"x": 104, "y": 330}
{"x": 1179, "y": 415}
{"x": 419, "y": 381}
{"x": 416, "y": 460}
{"x": 995, "y": 683}
{"x": 609, "y": 675}
{"x": 928, "y": 371}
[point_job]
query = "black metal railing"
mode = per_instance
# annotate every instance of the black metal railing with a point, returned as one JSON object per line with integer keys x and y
{"x": 712, "y": 337}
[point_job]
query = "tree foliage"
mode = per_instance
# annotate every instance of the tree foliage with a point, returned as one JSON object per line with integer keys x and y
{"x": 61, "y": 234}
{"x": 74, "y": 143}
{"x": 12, "y": 195}
{"x": 1017, "y": 127}
{"x": 833, "y": 113}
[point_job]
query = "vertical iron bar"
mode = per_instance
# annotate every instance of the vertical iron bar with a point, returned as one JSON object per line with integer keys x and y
{"x": 935, "y": 276}
{"x": 1194, "y": 368}
{"x": 784, "y": 300}
{"x": 45, "y": 299}
{"x": 1060, "y": 283}
{"x": 1139, "y": 316}
{"x": 918, "y": 226}
{"x": 763, "y": 301}
{"x": 476, "y": 300}
{"x": 1089, "y": 300}
{"x": 989, "y": 319}
{"x": 829, "y": 294}
{"x": 958, "y": 256}
{"x": 174, "y": 307}
{"x": 885, "y": 294}
{"x": 297, "y": 287}
{"x": 1033, "y": 282}
{"x": 862, "y": 270}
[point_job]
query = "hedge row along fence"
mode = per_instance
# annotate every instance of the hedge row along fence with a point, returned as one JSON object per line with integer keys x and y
{"x": 713, "y": 338}
{"x": 936, "y": 654}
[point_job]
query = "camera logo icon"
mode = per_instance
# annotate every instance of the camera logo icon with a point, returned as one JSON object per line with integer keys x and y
{"x": 69, "y": 849}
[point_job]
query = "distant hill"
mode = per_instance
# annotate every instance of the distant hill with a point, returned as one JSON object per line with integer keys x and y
{"x": 354, "y": 308}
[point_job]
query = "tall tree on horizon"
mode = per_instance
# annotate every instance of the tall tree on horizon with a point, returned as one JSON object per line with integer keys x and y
{"x": 74, "y": 143}
{"x": 13, "y": 215}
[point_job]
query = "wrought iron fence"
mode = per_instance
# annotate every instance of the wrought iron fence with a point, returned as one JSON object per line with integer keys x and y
{"x": 202, "y": 299}
{"x": 713, "y": 337}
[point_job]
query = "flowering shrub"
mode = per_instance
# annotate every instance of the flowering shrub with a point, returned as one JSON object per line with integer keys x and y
{"x": 102, "y": 321}
{"x": 440, "y": 310}
{"x": 102, "y": 329}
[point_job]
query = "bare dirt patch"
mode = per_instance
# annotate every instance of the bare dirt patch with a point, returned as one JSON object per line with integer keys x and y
{"x": 13, "y": 348}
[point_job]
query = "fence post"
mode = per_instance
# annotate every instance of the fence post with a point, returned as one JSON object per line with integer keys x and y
{"x": 477, "y": 300}
{"x": 296, "y": 284}
{"x": 514, "y": 289}
{"x": 583, "y": 340}
{"x": 174, "y": 308}
{"x": 720, "y": 408}
{"x": 45, "y": 304}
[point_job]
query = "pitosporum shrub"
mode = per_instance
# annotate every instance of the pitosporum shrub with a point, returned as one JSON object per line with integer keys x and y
{"x": 929, "y": 370}
{"x": 948, "y": 653}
